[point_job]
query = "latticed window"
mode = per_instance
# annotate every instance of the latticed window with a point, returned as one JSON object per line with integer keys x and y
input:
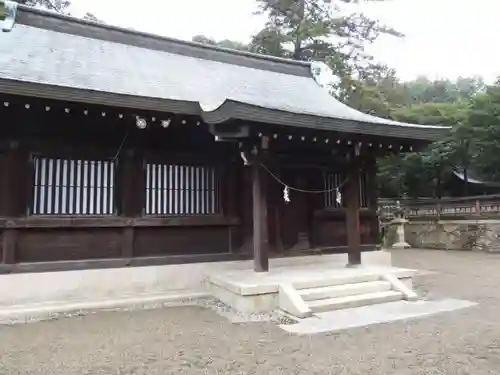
{"x": 73, "y": 187}
{"x": 182, "y": 190}
{"x": 333, "y": 181}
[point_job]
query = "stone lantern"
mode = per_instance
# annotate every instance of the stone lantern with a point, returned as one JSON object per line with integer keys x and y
{"x": 399, "y": 222}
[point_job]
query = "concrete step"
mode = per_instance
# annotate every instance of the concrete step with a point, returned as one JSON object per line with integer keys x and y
{"x": 334, "y": 291}
{"x": 337, "y": 280}
{"x": 347, "y": 302}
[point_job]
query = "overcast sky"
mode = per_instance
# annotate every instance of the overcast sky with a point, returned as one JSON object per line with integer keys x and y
{"x": 443, "y": 38}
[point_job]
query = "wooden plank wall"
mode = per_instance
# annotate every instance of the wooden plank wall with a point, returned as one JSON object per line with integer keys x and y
{"x": 129, "y": 235}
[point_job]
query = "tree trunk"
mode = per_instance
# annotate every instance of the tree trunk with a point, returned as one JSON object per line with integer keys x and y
{"x": 297, "y": 50}
{"x": 466, "y": 183}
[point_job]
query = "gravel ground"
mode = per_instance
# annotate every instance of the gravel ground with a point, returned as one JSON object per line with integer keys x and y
{"x": 194, "y": 340}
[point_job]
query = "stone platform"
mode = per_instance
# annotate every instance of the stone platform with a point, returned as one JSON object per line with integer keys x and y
{"x": 34, "y": 296}
{"x": 302, "y": 289}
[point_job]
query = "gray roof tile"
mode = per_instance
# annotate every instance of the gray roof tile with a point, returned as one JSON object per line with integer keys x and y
{"x": 73, "y": 60}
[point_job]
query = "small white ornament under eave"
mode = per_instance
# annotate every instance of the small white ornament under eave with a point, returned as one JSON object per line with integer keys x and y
{"x": 140, "y": 122}
{"x": 338, "y": 197}
{"x": 286, "y": 195}
{"x": 165, "y": 123}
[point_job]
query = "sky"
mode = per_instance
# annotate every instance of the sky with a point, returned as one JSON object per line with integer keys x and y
{"x": 443, "y": 38}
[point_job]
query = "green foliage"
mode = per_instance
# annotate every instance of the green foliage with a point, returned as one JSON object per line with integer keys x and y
{"x": 423, "y": 173}
{"x": 484, "y": 119}
{"x": 321, "y": 31}
{"x": 223, "y": 43}
{"x": 317, "y": 30}
{"x": 59, "y": 6}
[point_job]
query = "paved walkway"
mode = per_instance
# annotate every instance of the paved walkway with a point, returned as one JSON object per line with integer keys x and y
{"x": 189, "y": 340}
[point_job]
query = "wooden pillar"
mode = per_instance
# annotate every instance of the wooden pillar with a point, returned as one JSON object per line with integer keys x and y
{"x": 352, "y": 192}
{"x": 131, "y": 188}
{"x": 15, "y": 181}
{"x": 260, "y": 232}
{"x": 16, "y": 187}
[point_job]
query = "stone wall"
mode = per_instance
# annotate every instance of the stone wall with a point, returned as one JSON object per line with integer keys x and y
{"x": 476, "y": 235}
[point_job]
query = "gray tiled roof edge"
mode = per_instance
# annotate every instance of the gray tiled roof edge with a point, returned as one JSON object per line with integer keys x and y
{"x": 294, "y": 76}
{"x": 243, "y": 111}
{"x": 69, "y": 25}
{"x": 40, "y": 90}
{"x": 228, "y": 110}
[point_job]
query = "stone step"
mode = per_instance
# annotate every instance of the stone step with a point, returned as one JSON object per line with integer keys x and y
{"x": 334, "y": 291}
{"x": 337, "y": 280}
{"x": 347, "y": 302}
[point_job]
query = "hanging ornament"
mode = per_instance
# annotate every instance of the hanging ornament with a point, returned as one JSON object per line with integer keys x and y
{"x": 286, "y": 195}
{"x": 244, "y": 158}
{"x": 338, "y": 197}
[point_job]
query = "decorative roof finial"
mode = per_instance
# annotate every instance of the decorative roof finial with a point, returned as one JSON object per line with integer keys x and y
{"x": 8, "y": 10}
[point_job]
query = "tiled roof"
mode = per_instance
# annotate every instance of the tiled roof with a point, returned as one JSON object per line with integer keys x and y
{"x": 51, "y": 55}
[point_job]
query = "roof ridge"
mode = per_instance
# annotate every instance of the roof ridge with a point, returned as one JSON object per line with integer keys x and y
{"x": 30, "y": 16}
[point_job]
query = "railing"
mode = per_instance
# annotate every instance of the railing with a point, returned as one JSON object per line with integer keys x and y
{"x": 464, "y": 207}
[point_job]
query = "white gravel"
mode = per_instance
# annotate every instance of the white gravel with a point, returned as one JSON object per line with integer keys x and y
{"x": 197, "y": 340}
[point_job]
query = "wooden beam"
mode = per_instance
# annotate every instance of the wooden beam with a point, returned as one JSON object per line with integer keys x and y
{"x": 352, "y": 192}
{"x": 260, "y": 242}
{"x": 58, "y": 222}
{"x": 118, "y": 263}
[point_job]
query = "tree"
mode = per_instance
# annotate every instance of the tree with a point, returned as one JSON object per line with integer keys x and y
{"x": 316, "y": 30}
{"x": 226, "y": 43}
{"x": 59, "y": 6}
{"x": 423, "y": 90}
{"x": 436, "y": 163}
{"x": 484, "y": 119}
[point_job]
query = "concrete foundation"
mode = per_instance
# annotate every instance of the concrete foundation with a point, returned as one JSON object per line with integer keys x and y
{"x": 252, "y": 292}
{"x": 32, "y": 295}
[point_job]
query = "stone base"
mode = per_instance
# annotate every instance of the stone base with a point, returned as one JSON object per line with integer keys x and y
{"x": 401, "y": 245}
{"x": 248, "y": 304}
{"x": 350, "y": 265}
{"x": 28, "y": 296}
{"x": 250, "y": 292}
{"x": 476, "y": 235}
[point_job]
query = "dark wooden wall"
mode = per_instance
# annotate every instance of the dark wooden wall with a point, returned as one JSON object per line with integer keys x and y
{"x": 326, "y": 225}
{"x": 129, "y": 233}
{"x": 129, "y": 237}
